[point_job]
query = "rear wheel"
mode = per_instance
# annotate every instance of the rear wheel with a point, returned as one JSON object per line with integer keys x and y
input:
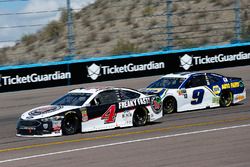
{"x": 169, "y": 105}
{"x": 70, "y": 124}
{"x": 140, "y": 117}
{"x": 226, "y": 99}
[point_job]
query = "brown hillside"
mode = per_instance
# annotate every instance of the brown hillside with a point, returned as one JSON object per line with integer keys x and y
{"x": 112, "y": 27}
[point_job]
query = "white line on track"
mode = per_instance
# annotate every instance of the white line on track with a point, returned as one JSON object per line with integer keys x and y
{"x": 125, "y": 142}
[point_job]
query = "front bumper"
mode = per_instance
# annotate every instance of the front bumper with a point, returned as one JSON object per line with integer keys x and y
{"x": 38, "y": 128}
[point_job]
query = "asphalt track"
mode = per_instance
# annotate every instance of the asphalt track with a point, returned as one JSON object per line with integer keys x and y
{"x": 204, "y": 138}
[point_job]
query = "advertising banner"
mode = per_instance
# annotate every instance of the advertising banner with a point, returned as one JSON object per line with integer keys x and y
{"x": 111, "y": 68}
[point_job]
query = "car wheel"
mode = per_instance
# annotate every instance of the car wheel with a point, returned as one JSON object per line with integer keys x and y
{"x": 70, "y": 124}
{"x": 169, "y": 105}
{"x": 140, "y": 117}
{"x": 226, "y": 98}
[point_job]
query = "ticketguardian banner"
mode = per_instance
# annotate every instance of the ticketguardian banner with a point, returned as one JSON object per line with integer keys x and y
{"x": 26, "y": 77}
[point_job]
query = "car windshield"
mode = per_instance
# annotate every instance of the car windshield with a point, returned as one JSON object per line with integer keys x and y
{"x": 170, "y": 83}
{"x": 72, "y": 99}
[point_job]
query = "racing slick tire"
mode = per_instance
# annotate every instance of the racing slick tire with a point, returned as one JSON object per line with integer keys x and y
{"x": 169, "y": 105}
{"x": 70, "y": 124}
{"x": 140, "y": 117}
{"x": 226, "y": 98}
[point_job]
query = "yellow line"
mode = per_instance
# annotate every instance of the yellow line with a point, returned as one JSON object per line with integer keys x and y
{"x": 125, "y": 134}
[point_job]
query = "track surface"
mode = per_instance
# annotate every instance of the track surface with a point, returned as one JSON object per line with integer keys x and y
{"x": 214, "y": 137}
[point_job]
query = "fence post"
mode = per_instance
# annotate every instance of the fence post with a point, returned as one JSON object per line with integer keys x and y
{"x": 169, "y": 25}
{"x": 237, "y": 10}
{"x": 70, "y": 35}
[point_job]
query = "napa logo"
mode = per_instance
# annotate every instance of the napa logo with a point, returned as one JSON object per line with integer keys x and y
{"x": 186, "y": 61}
{"x": 94, "y": 71}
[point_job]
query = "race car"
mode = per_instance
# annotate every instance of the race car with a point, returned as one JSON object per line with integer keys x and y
{"x": 195, "y": 90}
{"x": 93, "y": 109}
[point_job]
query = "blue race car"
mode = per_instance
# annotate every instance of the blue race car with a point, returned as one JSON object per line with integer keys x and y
{"x": 195, "y": 90}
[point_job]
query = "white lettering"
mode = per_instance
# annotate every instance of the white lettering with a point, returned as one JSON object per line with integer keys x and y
{"x": 33, "y": 78}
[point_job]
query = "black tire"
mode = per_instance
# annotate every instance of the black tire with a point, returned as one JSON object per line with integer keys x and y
{"x": 70, "y": 124}
{"x": 169, "y": 105}
{"x": 226, "y": 99}
{"x": 140, "y": 117}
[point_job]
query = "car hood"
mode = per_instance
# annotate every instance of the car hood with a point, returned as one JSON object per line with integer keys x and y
{"x": 46, "y": 111}
{"x": 158, "y": 91}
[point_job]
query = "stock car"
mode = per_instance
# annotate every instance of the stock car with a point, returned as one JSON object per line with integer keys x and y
{"x": 93, "y": 109}
{"x": 196, "y": 90}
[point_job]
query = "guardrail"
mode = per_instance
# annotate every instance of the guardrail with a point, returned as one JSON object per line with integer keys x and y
{"x": 24, "y": 77}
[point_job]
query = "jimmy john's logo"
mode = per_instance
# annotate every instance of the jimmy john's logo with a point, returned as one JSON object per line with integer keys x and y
{"x": 156, "y": 104}
{"x": 134, "y": 102}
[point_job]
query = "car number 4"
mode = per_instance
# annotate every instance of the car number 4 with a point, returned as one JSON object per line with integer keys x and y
{"x": 197, "y": 96}
{"x": 109, "y": 116}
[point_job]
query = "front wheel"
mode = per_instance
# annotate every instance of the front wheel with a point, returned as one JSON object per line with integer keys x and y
{"x": 226, "y": 99}
{"x": 169, "y": 105}
{"x": 70, "y": 124}
{"x": 140, "y": 117}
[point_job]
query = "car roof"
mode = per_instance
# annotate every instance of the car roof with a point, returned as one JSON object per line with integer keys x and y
{"x": 179, "y": 75}
{"x": 187, "y": 74}
{"x": 96, "y": 89}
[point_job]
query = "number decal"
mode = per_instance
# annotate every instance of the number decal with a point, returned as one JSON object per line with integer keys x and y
{"x": 109, "y": 116}
{"x": 197, "y": 96}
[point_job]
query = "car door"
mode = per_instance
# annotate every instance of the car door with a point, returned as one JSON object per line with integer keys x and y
{"x": 198, "y": 96}
{"x": 125, "y": 118}
{"x": 102, "y": 111}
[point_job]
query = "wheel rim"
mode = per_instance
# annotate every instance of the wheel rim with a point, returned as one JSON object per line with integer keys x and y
{"x": 169, "y": 106}
{"x": 227, "y": 99}
{"x": 140, "y": 118}
{"x": 70, "y": 125}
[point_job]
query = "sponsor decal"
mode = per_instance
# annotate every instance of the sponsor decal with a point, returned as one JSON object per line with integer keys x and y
{"x": 154, "y": 90}
{"x": 134, "y": 102}
{"x": 239, "y": 97}
{"x": 226, "y": 86}
{"x": 216, "y": 100}
{"x": 56, "y": 125}
{"x": 84, "y": 114}
{"x": 44, "y": 110}
{"x": 126, "y": 114}
{"x": 225, "y": 79}
{"x": 156, "y": 104}
{"x": 216, "y": 89}
{"x": 235, "y": 84}
{"x": 94, "y": 71}
{"x": 182, "y": 92}
{"x": 34, "y": 78}
{"x": 45, "y": 126}
{"x": 188, "y": 61}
